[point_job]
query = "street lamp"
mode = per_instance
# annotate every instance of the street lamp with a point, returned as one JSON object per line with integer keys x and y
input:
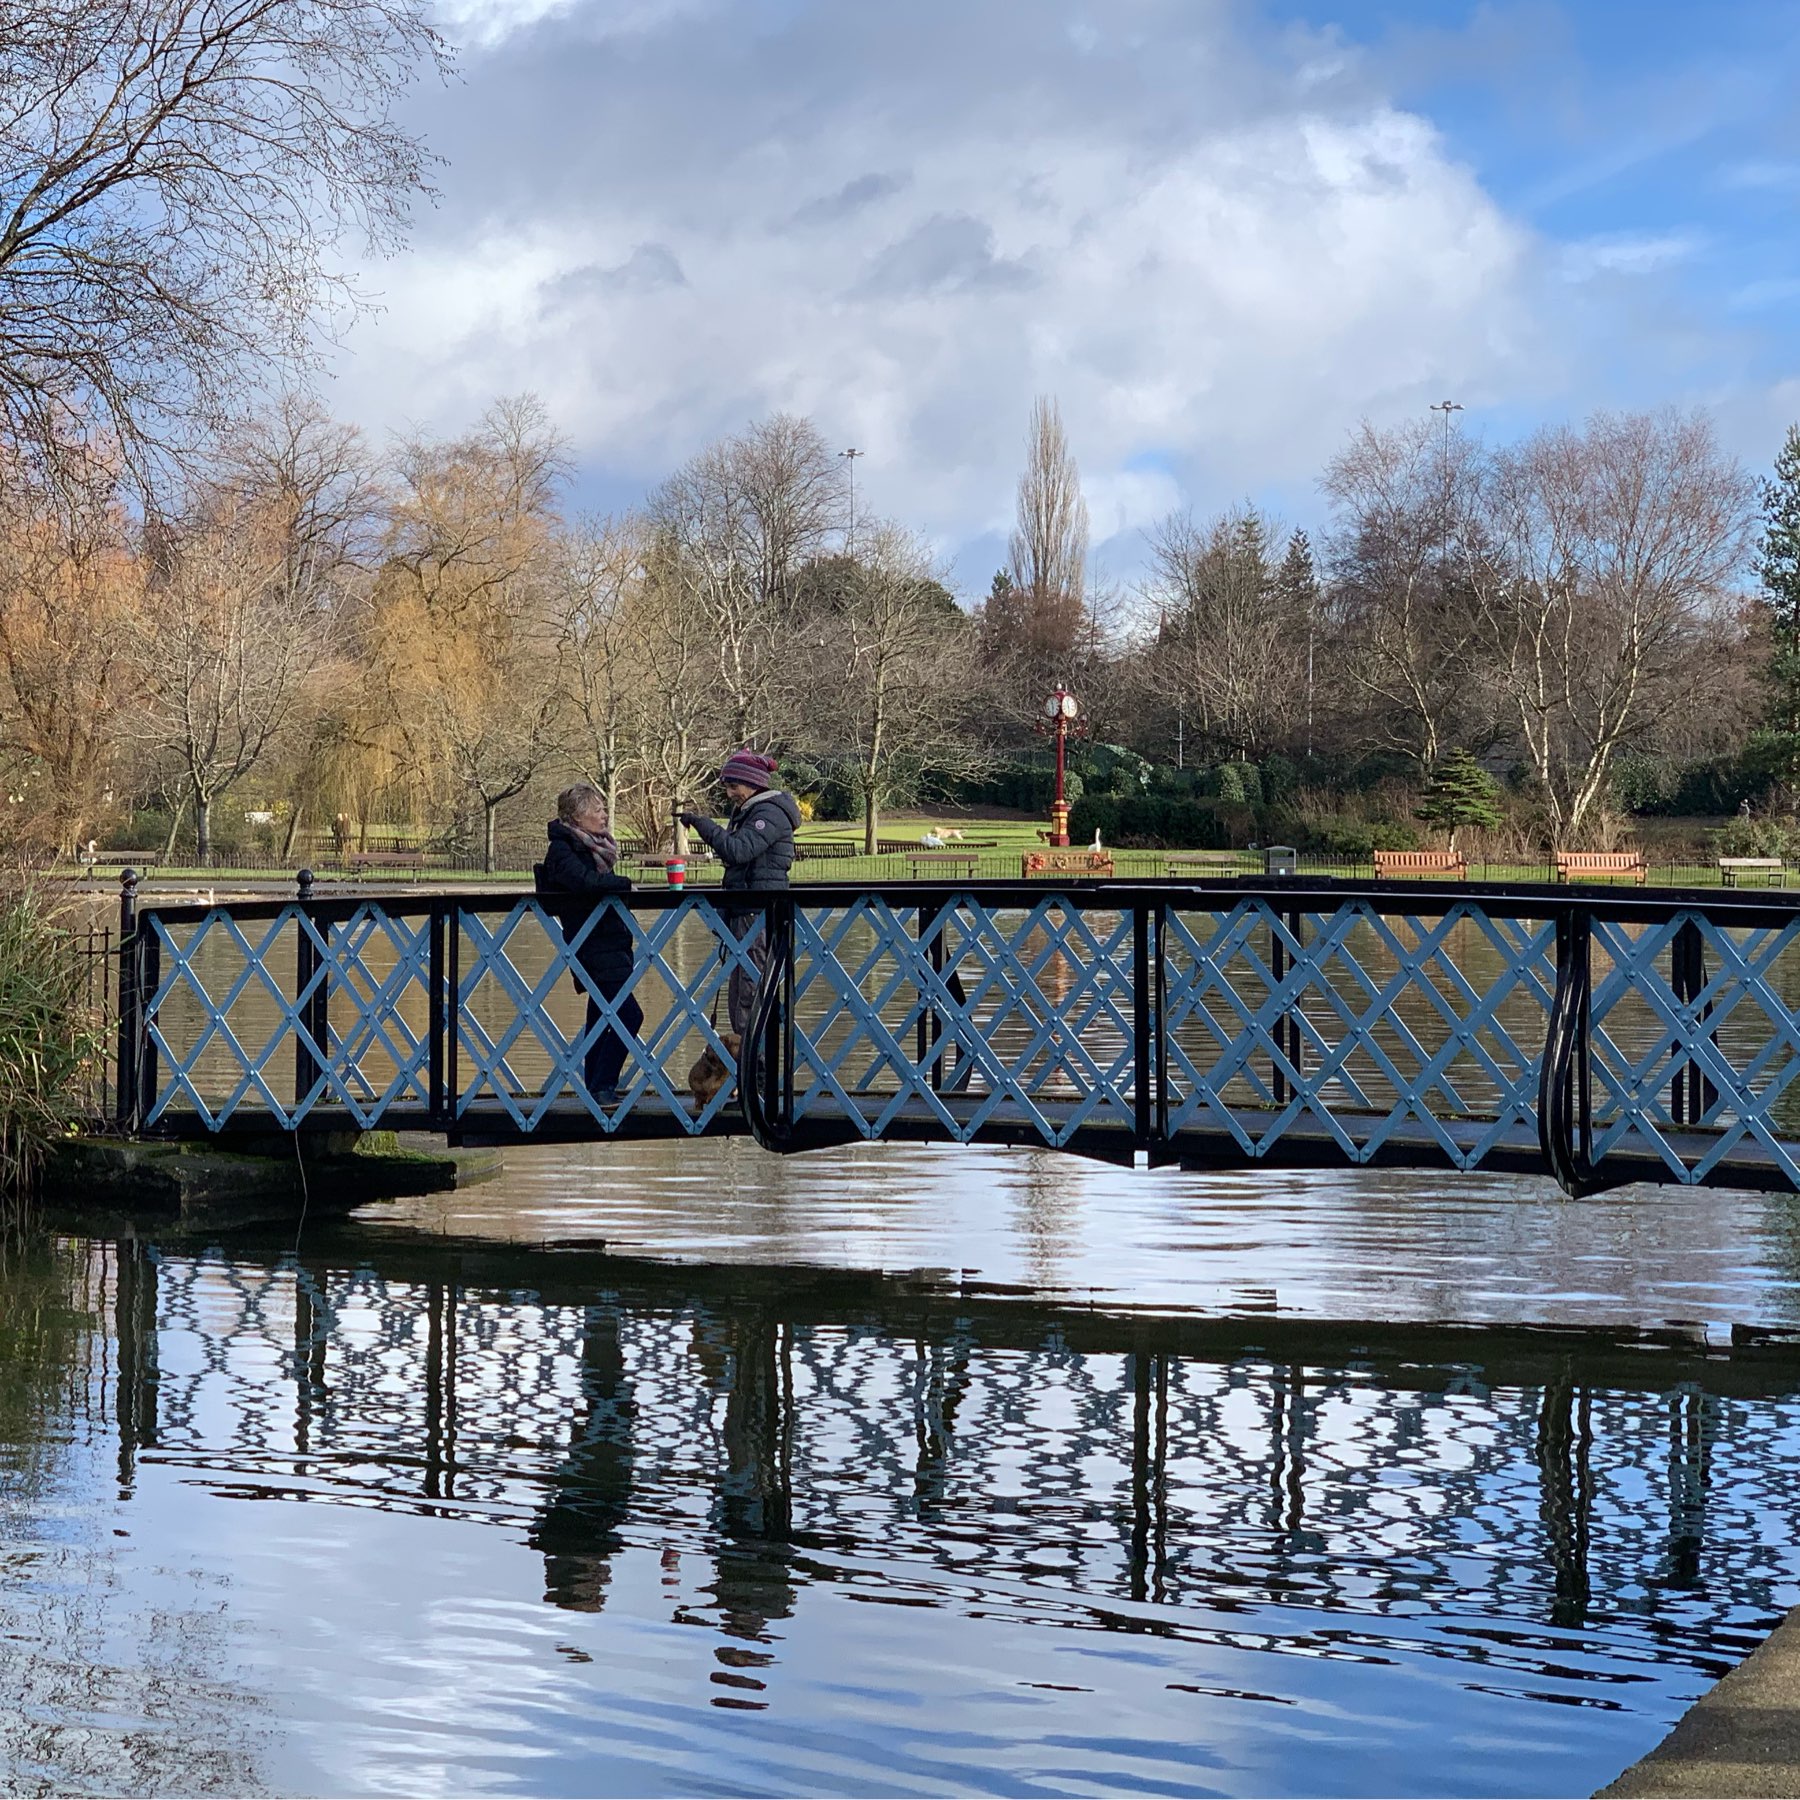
{"x": 1060, "y": 718}
{"x": 850, "y": 457}
{"x": 1446, "y": 407}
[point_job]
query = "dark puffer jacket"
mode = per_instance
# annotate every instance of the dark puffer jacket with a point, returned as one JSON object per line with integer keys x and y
{"x": 756, "y": 844}
{"x": 570, "y": 881}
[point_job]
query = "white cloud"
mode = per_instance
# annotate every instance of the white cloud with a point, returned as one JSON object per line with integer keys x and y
{"x": 485, "y": 24}
{"x": 1628, "y": 253}
{"x": 1214, "y": 259}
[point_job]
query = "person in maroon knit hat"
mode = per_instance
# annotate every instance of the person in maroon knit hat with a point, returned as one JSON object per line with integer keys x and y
{"x": 756, "y": 845}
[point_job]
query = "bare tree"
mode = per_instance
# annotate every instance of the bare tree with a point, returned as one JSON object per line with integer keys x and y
{"x": 737, "y": 523}
{"x": 1608, "y": 604}
{"x": 678, "y": 734}
{"x": 316, "y": 477}
{"x": 601, "y": 579}
{"x": 466, "y": 634}
{"x": 1050, "y": 538}
{"x": 71, "y": 591}
{"x": 1226, "y": 648}
{"x": 1408, "y": 630}
{"x": 490, "y": 697}
{"x": 226, "y": 649}
{"x": 888, "y": 651}
{"x": 176, "y": 177}
{"x": 1035, "y": 618}
{"x": 312, "y": 479}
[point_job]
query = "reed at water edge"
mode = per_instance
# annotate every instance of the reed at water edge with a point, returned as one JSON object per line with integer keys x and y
{"x": 50, "y": 1040}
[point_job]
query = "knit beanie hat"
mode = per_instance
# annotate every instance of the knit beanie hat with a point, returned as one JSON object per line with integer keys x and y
{"x": 750, "y": 767}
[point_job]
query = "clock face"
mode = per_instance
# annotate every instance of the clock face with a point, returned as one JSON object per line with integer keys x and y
{"x": 1068, "y": 706}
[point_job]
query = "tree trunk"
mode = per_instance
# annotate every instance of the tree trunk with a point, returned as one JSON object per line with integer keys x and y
{"x": 168, "y": 849}
{"x": 488, "y": 809}
{"x": 871, "y": 821}
{"x": 203, "y": 831}
{"x": 293, "y": 833}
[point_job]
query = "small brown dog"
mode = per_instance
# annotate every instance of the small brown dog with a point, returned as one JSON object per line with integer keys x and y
{"x": 710, "y": 1073}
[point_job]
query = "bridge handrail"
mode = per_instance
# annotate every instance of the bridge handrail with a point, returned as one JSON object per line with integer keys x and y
{"x": 1502, "y": 899}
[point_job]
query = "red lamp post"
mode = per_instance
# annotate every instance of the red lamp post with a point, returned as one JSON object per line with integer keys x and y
{"x": 1060, "y": 714}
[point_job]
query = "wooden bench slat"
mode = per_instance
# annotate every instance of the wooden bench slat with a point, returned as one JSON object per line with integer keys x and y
{"x": 1601, "y": 862}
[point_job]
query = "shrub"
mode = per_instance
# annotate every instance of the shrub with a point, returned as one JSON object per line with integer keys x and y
{"x": 1113, "y": 769}
{"x": 1238, "y": 784}
{"x": 144, "y": 829}
{"x": 1349, "y": 837}
{"x": 1280, "y": 779}
{"x": 49, "y": 1040}
{"x": 1710, "y": 787}
{"x": 1747, "y": 836}
{"x": 1155, "y": 822}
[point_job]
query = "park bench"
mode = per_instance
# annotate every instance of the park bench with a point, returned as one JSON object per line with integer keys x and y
{"x": 1390, "y": 864}
{"x": 1733, "y": 869}
{"x": 1087, "y": 864}
{"x": 360, "y": 862}
{"x": 954, "y": 864}
{"x": 1598, "y": 865}
{"x": 141, "y": 860}
{"x": 1195, "y": 862}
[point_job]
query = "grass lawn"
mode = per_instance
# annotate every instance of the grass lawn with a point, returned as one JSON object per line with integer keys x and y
{"x": 997, "y": 842}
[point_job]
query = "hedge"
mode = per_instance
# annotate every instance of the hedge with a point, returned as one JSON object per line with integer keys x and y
{"x": 1158, "y": 822}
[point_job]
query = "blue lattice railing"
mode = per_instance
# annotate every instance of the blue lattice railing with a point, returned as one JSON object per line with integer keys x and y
{"x": 1599, "y": 1037}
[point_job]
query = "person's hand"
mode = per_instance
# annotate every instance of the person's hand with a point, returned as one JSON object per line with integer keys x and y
{"x": 689, "y": 819}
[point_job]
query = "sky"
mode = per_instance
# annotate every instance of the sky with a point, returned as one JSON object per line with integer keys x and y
{"x": 1218, "y": 232}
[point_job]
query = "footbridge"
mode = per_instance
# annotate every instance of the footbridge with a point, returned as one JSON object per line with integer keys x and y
{"x": 1598, "y": 1036}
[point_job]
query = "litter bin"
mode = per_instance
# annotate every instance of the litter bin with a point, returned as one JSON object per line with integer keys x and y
{"x": 1281, "y": 859}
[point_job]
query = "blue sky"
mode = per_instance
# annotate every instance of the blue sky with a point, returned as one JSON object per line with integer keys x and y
{"x": 1220, "y": 232}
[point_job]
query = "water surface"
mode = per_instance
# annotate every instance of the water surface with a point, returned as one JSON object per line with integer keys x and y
{"x": 895, "y": 1471}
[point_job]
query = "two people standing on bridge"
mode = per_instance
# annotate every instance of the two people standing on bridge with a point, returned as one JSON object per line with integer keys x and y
{"x": 756, "y": 846}
{"x": 579, "y": 868}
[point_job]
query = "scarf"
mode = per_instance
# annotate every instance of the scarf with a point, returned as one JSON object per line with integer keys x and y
{"x": 602, "y": 846}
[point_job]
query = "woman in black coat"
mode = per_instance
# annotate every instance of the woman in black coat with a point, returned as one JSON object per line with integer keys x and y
{"x": 577, "y": 870}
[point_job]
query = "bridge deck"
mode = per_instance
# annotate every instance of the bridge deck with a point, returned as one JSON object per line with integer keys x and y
{"x": 1306, "y": 1144}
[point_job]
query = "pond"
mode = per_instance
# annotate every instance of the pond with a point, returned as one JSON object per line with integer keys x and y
{"x": 678, "y": 1469}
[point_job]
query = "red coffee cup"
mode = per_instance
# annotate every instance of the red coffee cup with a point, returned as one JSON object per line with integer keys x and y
{"x": 676, "y": 869}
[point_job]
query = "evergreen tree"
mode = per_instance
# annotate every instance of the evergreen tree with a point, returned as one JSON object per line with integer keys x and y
{"x": 1296, "y": 580}
{"x": 1779, "y": 568}
{"x": 1460, "y": 792}
{"x": 1297, "y": 592}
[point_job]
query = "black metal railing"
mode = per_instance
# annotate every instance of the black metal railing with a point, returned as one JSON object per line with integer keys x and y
{"x": 1599, "y": 1037}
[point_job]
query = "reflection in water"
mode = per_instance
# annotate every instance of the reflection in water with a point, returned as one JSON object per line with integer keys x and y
{"x": 97, "y": 1695}
{"x": 999, "y": 1537}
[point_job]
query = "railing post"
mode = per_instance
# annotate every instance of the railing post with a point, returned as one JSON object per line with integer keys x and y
{"x": 1143, "y": 1028}
{"x": 1691, "y": 1095}
{"x": 1287, "y": 1028}
{"x": 435, "y": 1012}
{"x": 131, "y": 1006}
{"x": 312, "y": 1015}
{"x": 788, "y": 1022}
{"x": 774, "y": 1029}
{"x": 1565, "y": 1096}
{"x": 452, "y": 1016}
